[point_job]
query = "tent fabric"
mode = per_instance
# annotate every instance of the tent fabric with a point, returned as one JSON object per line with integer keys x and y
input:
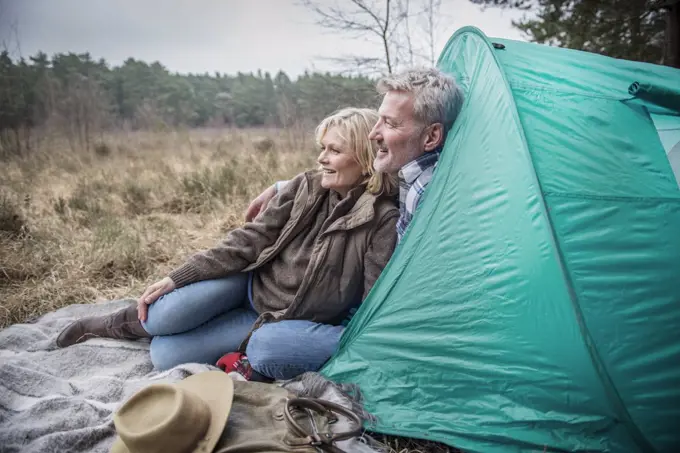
{"x": 533, "y": 303}
{"x": 668, "y": 128}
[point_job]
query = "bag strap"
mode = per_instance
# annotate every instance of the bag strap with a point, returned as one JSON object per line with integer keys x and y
{"x": 324, "y": 441}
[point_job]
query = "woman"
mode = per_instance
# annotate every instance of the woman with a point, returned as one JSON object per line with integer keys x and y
{"x": 305, "y": 262}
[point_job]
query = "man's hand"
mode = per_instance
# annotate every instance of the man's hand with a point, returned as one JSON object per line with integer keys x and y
{"x": 151, "y": 295}
{"x": 260, "y": 203}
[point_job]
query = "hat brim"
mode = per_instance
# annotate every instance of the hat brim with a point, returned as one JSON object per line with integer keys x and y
{"x": 216, "y": 388}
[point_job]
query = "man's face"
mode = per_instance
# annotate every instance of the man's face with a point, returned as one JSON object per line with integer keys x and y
{"x": 397, "y": 133}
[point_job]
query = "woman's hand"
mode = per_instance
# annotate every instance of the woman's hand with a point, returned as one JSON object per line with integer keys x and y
{"x": 151, "y": 295}
{"x": 260, "y": 203}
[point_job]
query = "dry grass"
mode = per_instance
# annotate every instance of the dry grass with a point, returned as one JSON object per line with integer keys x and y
{"x": 396, "y": 444}
{"x": 102, "y": 224}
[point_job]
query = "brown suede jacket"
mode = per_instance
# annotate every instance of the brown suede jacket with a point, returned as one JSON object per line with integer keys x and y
{"x": 355, "y": 243}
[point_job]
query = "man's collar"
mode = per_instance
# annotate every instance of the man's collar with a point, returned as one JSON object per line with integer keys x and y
{"x": 410, "y": 172}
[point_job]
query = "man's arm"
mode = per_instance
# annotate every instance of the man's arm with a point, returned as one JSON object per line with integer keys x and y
{"x": 260, "y": 203}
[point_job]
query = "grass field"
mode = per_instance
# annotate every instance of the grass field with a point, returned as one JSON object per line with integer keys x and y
{"x": 101, "y": 224}
{"x": 82, "y": 226}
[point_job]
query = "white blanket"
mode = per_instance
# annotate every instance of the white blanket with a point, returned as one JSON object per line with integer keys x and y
{"x": 62, "y": 400}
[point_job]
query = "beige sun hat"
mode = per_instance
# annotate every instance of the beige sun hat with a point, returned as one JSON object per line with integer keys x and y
{"x": 184, "y": 417}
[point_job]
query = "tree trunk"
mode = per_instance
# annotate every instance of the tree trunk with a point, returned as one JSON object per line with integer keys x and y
{"x": 673, "y": 34}
{"x": 385, "y": 38}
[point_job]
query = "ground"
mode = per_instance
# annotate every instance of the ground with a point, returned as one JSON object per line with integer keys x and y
{"x": 78, "y": 226}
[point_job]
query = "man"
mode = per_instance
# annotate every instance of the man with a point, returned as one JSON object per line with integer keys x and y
{"x": 418, "y": 109}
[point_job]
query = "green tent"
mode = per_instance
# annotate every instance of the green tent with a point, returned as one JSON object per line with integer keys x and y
{"x": 534, "y": 303}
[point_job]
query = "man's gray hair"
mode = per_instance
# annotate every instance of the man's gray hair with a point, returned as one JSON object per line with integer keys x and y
{"x": 437, "y": 97}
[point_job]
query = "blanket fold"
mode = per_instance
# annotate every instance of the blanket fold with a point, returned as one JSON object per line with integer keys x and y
{"x": 62, "y": 400}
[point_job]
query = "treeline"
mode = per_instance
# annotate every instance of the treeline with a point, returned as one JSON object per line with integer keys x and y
{"x": 79, "y": 96}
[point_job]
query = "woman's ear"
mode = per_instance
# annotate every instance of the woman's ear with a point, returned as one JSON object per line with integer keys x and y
{"x": 434, "y": 137}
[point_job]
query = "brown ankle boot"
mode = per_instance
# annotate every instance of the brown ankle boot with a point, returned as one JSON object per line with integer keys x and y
{"x": 122, "y": 324}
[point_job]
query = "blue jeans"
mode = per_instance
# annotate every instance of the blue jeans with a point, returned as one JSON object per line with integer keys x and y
{"x": 205, "y": 320}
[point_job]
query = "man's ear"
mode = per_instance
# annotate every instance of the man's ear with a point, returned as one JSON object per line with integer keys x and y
{"x": 434, "y": 137}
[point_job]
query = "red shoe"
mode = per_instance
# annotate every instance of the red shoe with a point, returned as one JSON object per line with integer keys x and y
{"x": 236, "y": 362}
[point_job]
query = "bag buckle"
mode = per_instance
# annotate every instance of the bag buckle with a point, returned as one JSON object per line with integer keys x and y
{"x": 327, "y": 409}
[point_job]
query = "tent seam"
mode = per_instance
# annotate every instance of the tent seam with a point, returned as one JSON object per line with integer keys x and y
{"x": 596, "y": 359}
{"x": 583, "y": 196}
{"x": 530, "y": 87}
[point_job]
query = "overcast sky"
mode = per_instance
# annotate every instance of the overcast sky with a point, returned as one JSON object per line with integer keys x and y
{"x": 207, "y": 35}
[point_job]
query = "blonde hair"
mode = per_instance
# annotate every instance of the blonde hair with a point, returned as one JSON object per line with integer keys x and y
{"x": 354, "y": 125}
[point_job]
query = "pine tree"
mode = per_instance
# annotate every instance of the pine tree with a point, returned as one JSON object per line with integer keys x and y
{"x": 80, "y": 97}
{"x": 641, "y": 30}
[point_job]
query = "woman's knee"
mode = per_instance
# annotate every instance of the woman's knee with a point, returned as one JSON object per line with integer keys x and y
{"x": 157, "y": 322}
{"x": 164, "y": 355}
{"x": 285, "y": 349}
{"x": 263, "y": 355}
{"x": 262, "y": 347}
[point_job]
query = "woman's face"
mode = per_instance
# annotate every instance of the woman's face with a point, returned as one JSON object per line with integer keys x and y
{"x": 341, "y": 170}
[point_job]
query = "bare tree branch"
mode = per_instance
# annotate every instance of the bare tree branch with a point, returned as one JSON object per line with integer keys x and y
{"x": 11, "y": 36}
{"x": 387, "y": 22}
{"x": 409, "y": 44}
{"x": 352, "y": 64}
{"x": 337, "y": 19}
{"x": 432, "y": 7}
{"x": 385, "y": 41}
{"x": 362, "y": 6}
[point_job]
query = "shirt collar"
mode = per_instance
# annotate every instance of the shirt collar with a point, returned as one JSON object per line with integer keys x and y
{"x": 410, "y": 172}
